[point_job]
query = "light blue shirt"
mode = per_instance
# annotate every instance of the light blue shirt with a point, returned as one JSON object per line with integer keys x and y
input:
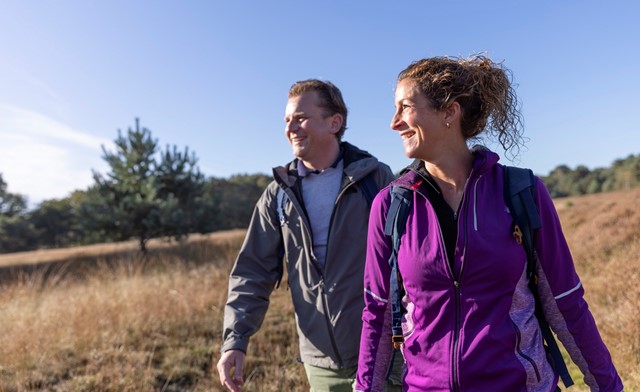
{"x": 319, "y": 192}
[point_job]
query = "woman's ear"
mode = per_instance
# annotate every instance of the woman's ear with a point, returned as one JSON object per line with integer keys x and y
{"x": 452, "y": 113}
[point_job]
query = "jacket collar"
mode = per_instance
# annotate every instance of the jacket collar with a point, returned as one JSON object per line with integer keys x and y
{"x": 357, "y": 164}
{"x": 483, "y": 161}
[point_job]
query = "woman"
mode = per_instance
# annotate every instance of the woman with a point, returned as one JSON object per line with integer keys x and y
{"x": 469, "y": 321}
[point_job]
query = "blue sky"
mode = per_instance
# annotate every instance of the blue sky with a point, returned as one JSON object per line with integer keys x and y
{"x": 213, "y": 76}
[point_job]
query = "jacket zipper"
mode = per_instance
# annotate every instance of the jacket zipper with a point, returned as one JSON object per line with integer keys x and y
{"x": 456, "y": 335}
{"x": 456, "y": 340}
{"x": 325, "y": 299}
{"x": 333, "y": 213}
{"x": 525, "y": 356}
{"x": 329, "y": 326}
{"x": 320, "y": 271}
{"x": 307, "y": 231}
{"x": 323, "y": 295}
{"x": 456, "y": 283}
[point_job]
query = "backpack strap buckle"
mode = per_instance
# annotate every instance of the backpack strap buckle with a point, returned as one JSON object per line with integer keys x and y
{"x": 398, "y": 341}
{"x": 517, "y": 233}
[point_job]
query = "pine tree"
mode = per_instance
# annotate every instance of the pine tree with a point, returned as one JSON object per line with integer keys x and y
{"x": 180, "y": 189}
{"x": 142, "y": 197}
{"x": 16, "y": 232}
{"x": 11, "y": 204}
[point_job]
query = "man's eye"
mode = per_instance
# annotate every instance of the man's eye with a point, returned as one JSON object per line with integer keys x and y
{"x": 405, "y": 106}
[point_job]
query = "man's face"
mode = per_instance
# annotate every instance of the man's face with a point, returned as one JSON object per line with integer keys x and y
{"x": 309, "y": 129}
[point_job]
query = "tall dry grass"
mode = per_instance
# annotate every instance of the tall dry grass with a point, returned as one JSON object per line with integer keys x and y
{"x": 603, "y": 231}
{"x": 101, "y": 319}
{"x": 127, "y": 324}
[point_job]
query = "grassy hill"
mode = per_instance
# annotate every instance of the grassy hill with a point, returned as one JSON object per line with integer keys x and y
{"x": 100, "y": 318}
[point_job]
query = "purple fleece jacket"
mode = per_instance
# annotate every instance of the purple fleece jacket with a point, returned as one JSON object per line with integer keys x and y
{"x": 472, "y": 327}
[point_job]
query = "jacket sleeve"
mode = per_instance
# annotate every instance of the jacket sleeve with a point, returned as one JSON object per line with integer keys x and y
{"x": 375, "y": 343}
{"x": 561, "y": 294}
{"x": 253, "y": 275}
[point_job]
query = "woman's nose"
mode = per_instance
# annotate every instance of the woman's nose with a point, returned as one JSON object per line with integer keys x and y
{"x": 396, "y": 121}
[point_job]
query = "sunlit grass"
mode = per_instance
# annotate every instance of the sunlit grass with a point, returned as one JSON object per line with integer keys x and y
{"x": 603, "y": 231}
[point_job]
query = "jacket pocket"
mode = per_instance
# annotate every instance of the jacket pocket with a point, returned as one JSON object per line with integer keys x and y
{"x": 527, "y": 361}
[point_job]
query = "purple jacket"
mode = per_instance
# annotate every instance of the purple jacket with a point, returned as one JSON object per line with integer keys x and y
{"x": 472, "y": 327}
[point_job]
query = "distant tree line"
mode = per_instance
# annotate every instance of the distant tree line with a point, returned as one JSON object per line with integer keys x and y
{"x": 622, "y": 174}
{"x": 151, "y": 193}
{"x": 147, "y": 193}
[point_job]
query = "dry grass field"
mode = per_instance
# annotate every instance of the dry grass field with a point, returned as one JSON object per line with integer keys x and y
{"x": 100, "y": 318}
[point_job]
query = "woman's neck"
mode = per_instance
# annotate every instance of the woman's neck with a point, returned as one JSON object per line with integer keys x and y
{"x": 451, "y": 174}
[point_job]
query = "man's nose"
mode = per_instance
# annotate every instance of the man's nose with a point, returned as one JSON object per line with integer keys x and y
{"x": 291, "y": 126}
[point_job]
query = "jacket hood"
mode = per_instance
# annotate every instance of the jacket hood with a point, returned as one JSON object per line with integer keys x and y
{"x": 357, "y": 164}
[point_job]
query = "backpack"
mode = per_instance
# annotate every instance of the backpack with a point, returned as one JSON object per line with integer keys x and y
{"x": 519, "y": 191}
{"x": 368, "y": 187}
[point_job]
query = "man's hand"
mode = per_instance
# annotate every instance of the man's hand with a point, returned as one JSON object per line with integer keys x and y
{"x": 231, "y": 359}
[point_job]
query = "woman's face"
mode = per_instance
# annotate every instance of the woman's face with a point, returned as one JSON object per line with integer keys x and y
{"x": 422, "y": 128}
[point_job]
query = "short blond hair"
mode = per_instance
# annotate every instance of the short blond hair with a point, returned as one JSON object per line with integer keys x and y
{"x": 330, "y": 98}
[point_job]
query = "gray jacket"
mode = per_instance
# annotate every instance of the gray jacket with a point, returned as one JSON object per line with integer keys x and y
{"x": 328, "y": 300}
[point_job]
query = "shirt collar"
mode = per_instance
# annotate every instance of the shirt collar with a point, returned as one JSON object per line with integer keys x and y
{"x": 304, "y": 171}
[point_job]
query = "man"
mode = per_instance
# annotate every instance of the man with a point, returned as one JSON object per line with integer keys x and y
{"x": 315, "y": 213}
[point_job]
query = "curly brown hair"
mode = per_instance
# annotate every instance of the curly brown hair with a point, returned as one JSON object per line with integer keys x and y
{"x": 483, "y": 89}
{"x": 330, "y": 98}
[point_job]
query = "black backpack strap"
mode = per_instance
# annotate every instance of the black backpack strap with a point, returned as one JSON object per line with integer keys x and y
{"x": 519, "y": 196}
{"x": 394, "y": 228}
